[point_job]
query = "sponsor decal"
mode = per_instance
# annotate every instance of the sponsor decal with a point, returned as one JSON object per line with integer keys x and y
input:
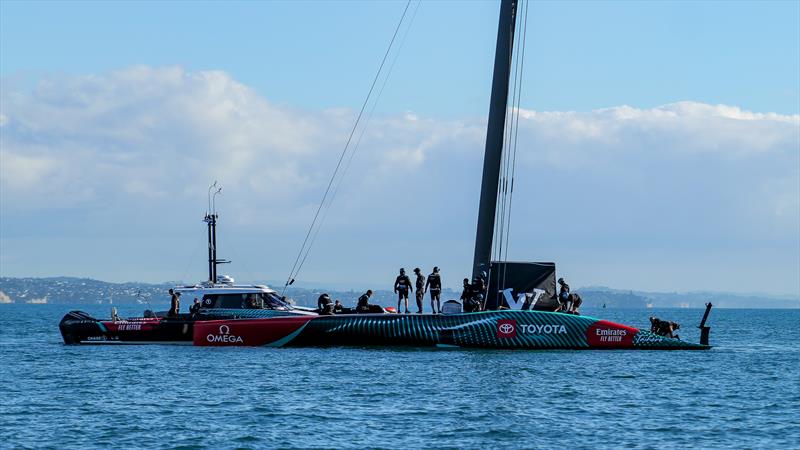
{"x": 543, "y": 329}
{"x": 647, "y": 339}
{"x": 224, "y": 336}
{"x": 506, "y": 328}
{"x": 129, "y": 326}
{"x": 608, "y": 334}
{"x": 521, "y": 298}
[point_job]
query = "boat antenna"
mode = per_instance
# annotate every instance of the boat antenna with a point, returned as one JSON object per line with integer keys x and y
{"x": 214, "y": 200}
{"x": 305, "y": 247}
{"x": 208, "y": 211}
{"x": 211, "y": 220}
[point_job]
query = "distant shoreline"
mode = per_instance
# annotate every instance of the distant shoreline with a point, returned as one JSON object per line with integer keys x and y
{"x": 77, "y": 291}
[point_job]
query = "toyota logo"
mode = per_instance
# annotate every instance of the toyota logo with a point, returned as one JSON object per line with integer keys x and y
{"x": 506, "y": 328}
{"x": 224, "y": 329}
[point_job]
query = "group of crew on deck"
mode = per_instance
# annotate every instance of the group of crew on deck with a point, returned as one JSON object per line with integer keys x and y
{"x": 472, "y": 297}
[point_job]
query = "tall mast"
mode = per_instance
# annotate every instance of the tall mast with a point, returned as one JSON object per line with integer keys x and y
{"x": 211, "y": 220}
{"x": 494, "y": 137}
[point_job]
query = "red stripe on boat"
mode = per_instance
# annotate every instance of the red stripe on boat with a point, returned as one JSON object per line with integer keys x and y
{"x": 609, "y": 334}
{"x": 251, "y": 332}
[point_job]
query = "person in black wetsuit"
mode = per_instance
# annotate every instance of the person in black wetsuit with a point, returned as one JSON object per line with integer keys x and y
{"x": 195, "y": 308}
{"x": 434, "y": 286}
{"x": 420, "y": 283}
{"x": 402, "y": 286}
{"x": 475, "y": 294}
{"x": 338, "y": 307}
{"x": 325, "y": 305}
{"x": 575, "y": 302}
{"x": 465, "y": 293}
{"x": 363, "y": 302}
{"x": 563, "y": 295}
{"x": 174, "y": 304}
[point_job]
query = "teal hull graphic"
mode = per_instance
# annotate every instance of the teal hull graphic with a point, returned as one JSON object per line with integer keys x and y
{"x": 490, "y": 329}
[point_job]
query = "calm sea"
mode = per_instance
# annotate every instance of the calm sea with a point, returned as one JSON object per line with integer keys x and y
{"x": 745, "y": 393}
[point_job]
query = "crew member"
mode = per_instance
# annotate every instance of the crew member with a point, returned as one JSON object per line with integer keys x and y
{"x": 563, "y": 295}
{"x": 363, "y": 302}
{"x": 174, "y": 304}
{"x": 476, "y": 294}
{"x": 434, "y": 285}
{"x": 575, "y": 300}
{"x": 420, "y": 283}
{"x": 402, "y": 286}
{"x": 325, "y": 305}
{"x": 465, "y": 294}
{"x": 195, "y": 308}
{"x": 338, "y": 308}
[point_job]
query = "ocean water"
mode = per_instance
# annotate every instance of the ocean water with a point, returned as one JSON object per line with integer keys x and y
{"x": 744, "y": 393}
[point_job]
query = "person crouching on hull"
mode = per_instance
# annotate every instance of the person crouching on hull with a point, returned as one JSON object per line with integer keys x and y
{"x": 575, "y": 302}
{"x": 363, "y": 302}
{"x": 434, "y": 286}
{"x": 402, "y": 286}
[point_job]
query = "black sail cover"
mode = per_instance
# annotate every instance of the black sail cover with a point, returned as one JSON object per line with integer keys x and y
{"x": 522, "y": 285}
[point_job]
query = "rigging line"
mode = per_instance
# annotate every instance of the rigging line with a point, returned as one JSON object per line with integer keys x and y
{"x": 509, "y": 145}
{"x": 498, "y": 228}
{"x": 517, "y": 83}
{"x": 516, "y": 101}
{"x": 347, "y": 144}
{"x": 514, "y": 157}
{"x": 497, "y": 240}
{"x": 508, "y": 129}
{"x": 360, "y": 137}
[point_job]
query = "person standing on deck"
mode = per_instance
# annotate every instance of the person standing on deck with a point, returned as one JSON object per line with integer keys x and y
{"x": 434, "y": 285}
{"x": 174, "y": 303}
{"x": 402, "y": 286}
{"x": 420, "y": 283}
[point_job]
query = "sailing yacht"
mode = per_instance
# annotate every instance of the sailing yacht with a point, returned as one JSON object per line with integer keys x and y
{"x": 519, "y": 300}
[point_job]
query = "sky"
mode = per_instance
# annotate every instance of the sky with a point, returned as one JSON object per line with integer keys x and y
{"x": 659, "y": 143}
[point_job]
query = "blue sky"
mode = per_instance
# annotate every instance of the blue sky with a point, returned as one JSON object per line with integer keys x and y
{"x": 582, "y": 55}
{"x": 677, "y": 125}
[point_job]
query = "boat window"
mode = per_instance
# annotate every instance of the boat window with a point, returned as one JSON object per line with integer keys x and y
{"x": 272, "y": 301}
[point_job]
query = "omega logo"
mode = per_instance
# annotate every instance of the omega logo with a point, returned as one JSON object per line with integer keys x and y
{"x": 225, "y": 336}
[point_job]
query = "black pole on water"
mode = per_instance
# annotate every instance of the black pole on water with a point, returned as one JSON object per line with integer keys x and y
{"x": 704, "y": 330}
{"x": 494, "y": 137}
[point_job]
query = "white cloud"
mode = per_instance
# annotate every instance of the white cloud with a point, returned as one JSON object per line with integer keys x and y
{"x": 109, "y": 147}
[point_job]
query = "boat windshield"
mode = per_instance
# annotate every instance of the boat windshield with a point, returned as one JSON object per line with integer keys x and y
{"x": 255, "y": 300}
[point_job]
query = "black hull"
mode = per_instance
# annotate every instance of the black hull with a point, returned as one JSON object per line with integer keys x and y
{"x": 80, "y": 328}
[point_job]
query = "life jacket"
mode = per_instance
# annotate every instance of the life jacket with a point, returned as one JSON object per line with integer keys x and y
{"x": 402, "y": 283}
{"x": 435, "y": 281}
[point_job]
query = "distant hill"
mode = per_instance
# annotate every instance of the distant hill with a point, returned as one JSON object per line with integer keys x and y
{"x": 69, "y": 290}
{"x": 596, "y": 296}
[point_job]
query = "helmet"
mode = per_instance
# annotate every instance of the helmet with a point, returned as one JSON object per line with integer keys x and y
{"x": 416, "y": 270}
{"x": 402, "y": 271}
{"x": 435, "y": 269}
{"x": 325, "y": 297}
{"x": 560, "y": 281}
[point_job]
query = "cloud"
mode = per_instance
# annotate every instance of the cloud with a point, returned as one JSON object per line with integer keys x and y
{"x": 131, "y": 153}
